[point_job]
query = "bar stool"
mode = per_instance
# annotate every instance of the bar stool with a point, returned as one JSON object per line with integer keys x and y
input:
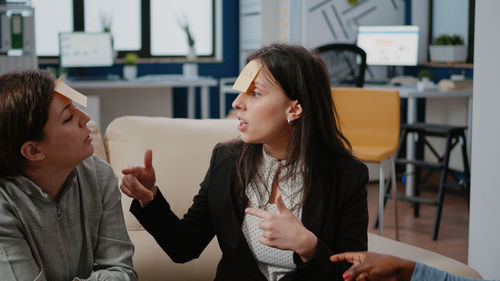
{"x": 453, "y": 135}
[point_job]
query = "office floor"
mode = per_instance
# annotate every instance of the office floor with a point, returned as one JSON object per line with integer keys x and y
{"x": 453, "y": 233}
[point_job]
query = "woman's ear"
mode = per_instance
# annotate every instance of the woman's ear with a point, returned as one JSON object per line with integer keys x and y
{"x": 31, "y": 151}
{"x": 295, "y": 110}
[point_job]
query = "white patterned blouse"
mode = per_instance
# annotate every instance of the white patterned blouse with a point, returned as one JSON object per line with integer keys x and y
{"x": 272, "y": 262}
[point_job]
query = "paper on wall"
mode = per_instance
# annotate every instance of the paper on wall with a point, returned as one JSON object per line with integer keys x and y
{"x": 247, "y": 76}
{"x": 70, "y": 93}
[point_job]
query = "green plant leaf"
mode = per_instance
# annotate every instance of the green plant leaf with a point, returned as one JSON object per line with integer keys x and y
{"x": 131, "y": 58}
{"x": 445, "y": 39}
{"x": 426, "y": 73}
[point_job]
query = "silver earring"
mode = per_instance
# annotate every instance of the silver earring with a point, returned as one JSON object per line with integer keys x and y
{"x": 289, "y": 121}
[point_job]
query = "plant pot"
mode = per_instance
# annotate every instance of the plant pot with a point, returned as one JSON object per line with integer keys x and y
{"x": 425, "y": 84}
{"x": 191, "y": 55}
{"x": 448, "y": 53}
{"x": 190, "y": 69}
{"x": 130, "y": 72}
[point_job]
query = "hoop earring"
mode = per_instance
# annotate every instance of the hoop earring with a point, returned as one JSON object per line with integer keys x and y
{"x": 289, "y": 121}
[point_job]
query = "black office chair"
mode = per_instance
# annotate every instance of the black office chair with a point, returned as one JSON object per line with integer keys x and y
{"x": 346, "y": 64}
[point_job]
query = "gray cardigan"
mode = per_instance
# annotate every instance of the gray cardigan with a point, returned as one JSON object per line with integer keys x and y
{"x": 81, "y": 237}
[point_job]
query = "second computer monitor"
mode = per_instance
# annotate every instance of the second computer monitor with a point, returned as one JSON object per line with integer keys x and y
{"x": 84, "y": 49}
{"x": 389, "y": 45}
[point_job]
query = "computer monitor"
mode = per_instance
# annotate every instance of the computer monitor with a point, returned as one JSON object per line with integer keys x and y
{"x": 389, "y": 45}
{"x": 85, "y": 49}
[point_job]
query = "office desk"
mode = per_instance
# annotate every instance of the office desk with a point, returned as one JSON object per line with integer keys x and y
{"x": 412, "y": 94}
{"x": 158, "y": 81}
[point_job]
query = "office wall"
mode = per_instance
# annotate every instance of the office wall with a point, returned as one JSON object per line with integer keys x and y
{"x": 114, "y": 103}
{"x": 420, "y": 16}
{"x": 484, "y": 225}
{"x": 337, "y": 21}
{"x": 329, "y": 22}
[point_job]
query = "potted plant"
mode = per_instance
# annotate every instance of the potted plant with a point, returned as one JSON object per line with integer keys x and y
{"x": 425, "y": 74}
{"x": 425, "y": 82}
{"x": 446, "y": 48}
{"x": 190, "y": 68}
{"x": 130, "y": 67}
{"x": 184, "y": 25}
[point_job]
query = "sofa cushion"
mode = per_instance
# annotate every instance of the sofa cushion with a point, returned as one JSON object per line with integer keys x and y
{"x": 152, "y": 264}
{"x": 388, "y": 246}
{"x": 181, "y": 153}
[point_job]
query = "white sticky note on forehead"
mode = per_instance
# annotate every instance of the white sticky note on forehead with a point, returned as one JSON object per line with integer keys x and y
{"x": 247, "y": 76}
{"x": 70, "y": 93}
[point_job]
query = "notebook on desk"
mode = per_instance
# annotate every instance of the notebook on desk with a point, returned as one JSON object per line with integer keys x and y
{"x": 450, "y": 85}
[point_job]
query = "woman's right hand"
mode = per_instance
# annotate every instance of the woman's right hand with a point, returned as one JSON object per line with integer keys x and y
{"x": 139, "y": 182}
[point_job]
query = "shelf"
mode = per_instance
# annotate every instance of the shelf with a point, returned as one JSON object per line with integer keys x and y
{"x": 449, "y": 64}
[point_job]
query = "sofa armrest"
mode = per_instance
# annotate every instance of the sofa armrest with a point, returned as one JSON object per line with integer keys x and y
{"x": 97, "y": 141}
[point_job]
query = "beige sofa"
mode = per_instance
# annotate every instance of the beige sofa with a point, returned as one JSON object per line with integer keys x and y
{"x": 181, "y": 154}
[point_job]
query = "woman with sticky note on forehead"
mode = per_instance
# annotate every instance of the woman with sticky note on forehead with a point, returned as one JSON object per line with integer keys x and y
{"x": 281, "y": 198}
{"x": 60, "y": 211}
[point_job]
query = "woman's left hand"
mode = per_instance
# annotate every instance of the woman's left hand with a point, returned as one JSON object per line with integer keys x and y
{"x": 284, "y": 230}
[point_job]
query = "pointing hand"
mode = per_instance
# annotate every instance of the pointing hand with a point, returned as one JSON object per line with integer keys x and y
{"x": 284, "y": 230}
{"x": 139, "y": 182}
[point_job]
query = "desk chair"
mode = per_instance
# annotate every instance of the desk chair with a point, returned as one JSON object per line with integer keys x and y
{"x": 346, "y": 64}
{"x": 369, "y": 118}
{"x": 453, "y": 136}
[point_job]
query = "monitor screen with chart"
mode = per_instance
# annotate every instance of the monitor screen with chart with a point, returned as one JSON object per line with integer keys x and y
{"x": 389, "y": 45}
{"x": 85, "y": 49}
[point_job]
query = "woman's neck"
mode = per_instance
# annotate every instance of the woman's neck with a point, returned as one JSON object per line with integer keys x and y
{"x": 278, "y": 152}
{"x": 51, "y": 181}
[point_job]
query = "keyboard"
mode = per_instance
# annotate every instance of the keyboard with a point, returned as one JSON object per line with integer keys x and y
{"x": 95, "y": 78}
{"x": 161, "y": 77}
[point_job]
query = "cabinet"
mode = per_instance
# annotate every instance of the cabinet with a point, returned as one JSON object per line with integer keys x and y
{"x": 17, "y": 38}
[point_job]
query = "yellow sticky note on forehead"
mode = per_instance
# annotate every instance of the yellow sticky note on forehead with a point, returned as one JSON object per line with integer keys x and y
{"x": 247, "y": 76}
{"x": 70, "y": 93}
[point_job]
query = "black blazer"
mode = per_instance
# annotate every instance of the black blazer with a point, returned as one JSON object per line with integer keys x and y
{"x": 340, "y": 224}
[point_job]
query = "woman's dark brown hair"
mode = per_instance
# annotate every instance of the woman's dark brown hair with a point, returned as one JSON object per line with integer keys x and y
{"x": 25, "y": 98}
{"x": 316, "y": 139}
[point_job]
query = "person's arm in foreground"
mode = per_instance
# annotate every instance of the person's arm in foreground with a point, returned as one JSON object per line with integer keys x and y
{"x": 371, "y": 266}
{"x": 182, "y": 239}
{"x": 379, "y": 267}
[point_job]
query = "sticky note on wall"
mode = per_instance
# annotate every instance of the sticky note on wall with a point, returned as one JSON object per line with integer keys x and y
{"x": 247, "y": 76}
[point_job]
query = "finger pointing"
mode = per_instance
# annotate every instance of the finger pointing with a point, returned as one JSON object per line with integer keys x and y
{"x": 258, "y": 213}
{"x": 148, "y": 159}
{"x": 279, "y": 203}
